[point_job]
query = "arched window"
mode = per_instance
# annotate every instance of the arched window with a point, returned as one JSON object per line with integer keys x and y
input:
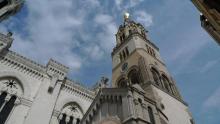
{"x": 63, "y": 119}
{"x": 122, "y": 83}
{"x": 7, "y": 109}
{"x": 166, "y": 82}
{"x": 2, "y": 98}
{"x": 156, "y": 76}
{"x": 134, "y": 77}
{"x": 71, "y": 114}
{"x": 13, "y": 90}
{"x": 151, "y": 115}
{"x": 77, "y": 121}
{"x": 172, "y": 88}
{"x": 71, "y": 120}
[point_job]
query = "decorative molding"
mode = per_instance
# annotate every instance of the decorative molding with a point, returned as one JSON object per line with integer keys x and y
{"x": 22, "y": 64}
{"x": 26, "y": 102}
{"x": 57, "y": 67}
{"x": 33, "y": 69}
{"x": 73, "y": 87}
{"x": 56, "y": 113}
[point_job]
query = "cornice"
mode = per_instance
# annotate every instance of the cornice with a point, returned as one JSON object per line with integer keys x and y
{"x": 118, "y": 47}
{"x": 26, "y": 102}
{"x": 28, "y": 62}
{"x": 22, "y": 64}
{"x": 79, "y": 89}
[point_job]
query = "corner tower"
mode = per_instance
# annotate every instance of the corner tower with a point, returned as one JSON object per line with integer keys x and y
{"x": 9, "y": 8}
{"x": 136, "y": 60}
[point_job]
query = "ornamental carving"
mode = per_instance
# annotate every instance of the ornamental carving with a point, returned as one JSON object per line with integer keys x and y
{"x": 11, "y": 86}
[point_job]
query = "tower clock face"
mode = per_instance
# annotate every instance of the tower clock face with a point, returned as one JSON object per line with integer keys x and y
{"x": 124, "y": 67}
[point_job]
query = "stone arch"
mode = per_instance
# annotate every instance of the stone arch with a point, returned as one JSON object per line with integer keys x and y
{"x": 120, "y": 79}
{"x": 166, "y": 82}
{"x": 12, "y": 86}
{"x": 70, "y": 113}
{"x": 156, "y": 76}
{"x": 134, "y": 67}
{"x": 122, "y": 83}
{"x": 68, "y": 100}
{"x": 162, "y": 73}
{"x": 155, "y": 67}
{"x": 21, "y": 79}
{"x": 171, "y": 84}
{"x": 134, "y": 75}
{"x": 73, "y": 103}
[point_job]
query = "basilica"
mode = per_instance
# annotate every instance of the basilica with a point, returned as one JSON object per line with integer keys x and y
{"x": 142, "y": 92}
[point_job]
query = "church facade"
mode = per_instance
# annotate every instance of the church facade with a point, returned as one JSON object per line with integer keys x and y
{"x": 37, "y": 94}
{"x": 142, "y": 92}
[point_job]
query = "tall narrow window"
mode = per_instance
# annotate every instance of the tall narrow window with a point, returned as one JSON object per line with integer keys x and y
{"x": 156, "y": 76}
{"x": 166, "y": 83}
{"x": 151, "y": 115}
{"x": 7, "y": 109}
{"x": 124, "y": 55}
{"x": 77, "y": 121}
{"x": 63, "y": 120}
{"x": 121, "y": 58}
{"x": 73, "y": 111}
{"x": 130, "y": 32}
{"x": 2, "y": 98}
{"x": 126, "y": 50}
{"x": 134, "y": 77}
{"x": 71, "y": 120}
{"x": 171, "y": 88}
{"x": 122, "y": 83}
{"x": 123, "y": 36}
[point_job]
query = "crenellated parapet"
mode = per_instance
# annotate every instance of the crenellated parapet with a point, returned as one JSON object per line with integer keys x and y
{"x": 54, "y": 70}
{"x": 5, "y": 41}
{"x": 57, "y": 72}
{"x": 22, "y": 64}
{"x": 123, "y": 106}
{"x": 77, "y": 89}
{"x": 54, "y": 67}
{"x": 9, "y": 8}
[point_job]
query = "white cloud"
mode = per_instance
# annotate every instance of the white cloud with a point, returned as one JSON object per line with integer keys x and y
{"x": 50, "y": 25}
{"x": 103, "y": 19}
{"x": 208, "y": 66}
{"x": 213, "y": 101}
{"x": 94, "y": 52}
{"x": 60, "y": 30}
{"x": 127, "y": 4}
{"x": 144, "y": 18}
{"x": 185, "y": 48}
{"x": 106, "y": 36}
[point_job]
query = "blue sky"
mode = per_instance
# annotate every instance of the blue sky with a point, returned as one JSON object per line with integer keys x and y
{"x": 80, "y": 34}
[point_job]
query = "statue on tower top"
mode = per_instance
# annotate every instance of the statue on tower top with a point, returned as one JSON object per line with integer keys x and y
{"x": 126, "y": 15}
{"x": 126, "y": 18}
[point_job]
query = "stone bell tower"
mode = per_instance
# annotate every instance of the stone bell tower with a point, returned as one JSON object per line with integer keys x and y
{"x": 136, "y": 60}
